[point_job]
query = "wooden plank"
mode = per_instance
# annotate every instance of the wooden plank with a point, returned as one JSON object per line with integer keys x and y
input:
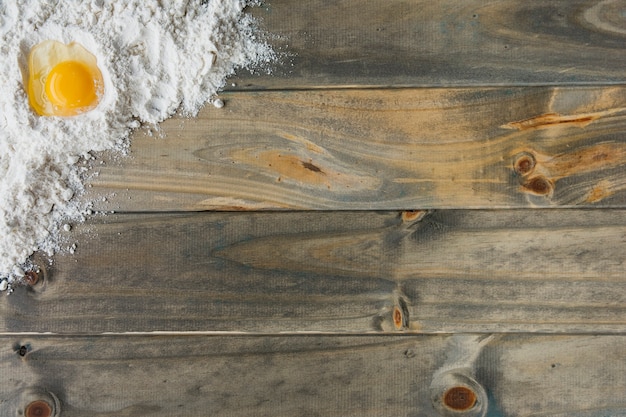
{"x": 381, "y": 149}
{"x": 442, "y": 43}
{"x": 337, "y": 272}
{"x": 313, "y": 375}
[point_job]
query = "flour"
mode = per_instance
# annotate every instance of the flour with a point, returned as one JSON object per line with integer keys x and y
{"x": 156, "y": 56}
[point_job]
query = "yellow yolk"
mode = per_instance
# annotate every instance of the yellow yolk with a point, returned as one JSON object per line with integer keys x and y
{"x": 70, "y": 85}
{"x": 64, "y": 80}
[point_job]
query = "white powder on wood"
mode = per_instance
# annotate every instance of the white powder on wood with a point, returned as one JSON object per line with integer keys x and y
{"x": 156, "y": 57}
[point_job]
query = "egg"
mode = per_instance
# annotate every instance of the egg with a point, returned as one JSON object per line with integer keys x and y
{"x": 63, "y": 80}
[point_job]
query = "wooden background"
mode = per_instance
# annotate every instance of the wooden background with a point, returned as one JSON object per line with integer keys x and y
{"x": 422, "y": 195}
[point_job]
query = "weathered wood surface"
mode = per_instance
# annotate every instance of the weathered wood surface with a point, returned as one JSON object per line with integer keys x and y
{"x": 334, "y": 272}
{"x": 443, "y": 42}
{"x": 381, "y": 149}
{"x": 582, "y": 376}
{"x": 532, "y": 115}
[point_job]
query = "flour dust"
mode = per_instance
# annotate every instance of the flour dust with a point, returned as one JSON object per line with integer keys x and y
{"x": 157, "y": 57}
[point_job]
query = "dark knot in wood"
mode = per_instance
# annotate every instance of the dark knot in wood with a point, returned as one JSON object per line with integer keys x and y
{"x": 22, "y": 351}
{"x": 38, "y": 408}
{"x": 524, "y": 164}
{"x": 398, "y": 320}
{"x": 539, "y": 185}
{"x": 459, "y": 398}
{"x": 31, "y": 278}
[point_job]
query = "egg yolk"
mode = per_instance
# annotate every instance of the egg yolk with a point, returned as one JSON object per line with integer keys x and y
{"x": 63, "y": 80}
{"x": 70, "y": 86}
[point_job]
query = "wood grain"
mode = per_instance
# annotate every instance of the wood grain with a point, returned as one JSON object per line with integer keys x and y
{"x": 337, "y": 272}
{"x": 381, "y": 149}
{"x": 442, "y": 43}
{"x": 327, "y": 311}
{"x": 308, "y": 375}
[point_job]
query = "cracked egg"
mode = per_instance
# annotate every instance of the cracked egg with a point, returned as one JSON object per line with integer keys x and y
{"x": 63, "y": 80}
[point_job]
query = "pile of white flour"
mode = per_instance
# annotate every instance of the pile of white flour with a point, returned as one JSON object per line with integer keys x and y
{"x": 156, "y": 56}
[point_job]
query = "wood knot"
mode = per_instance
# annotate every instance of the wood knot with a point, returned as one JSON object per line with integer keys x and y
{"x": 312, "y": 167}
{"x": 22, "y": 350}
{"x": 38, "y": 408}
{"x": 400, "y": 315}
{"x": 459, "y": 398}
{"x": 456, "y": 393}
{"x": 413, "y": 215}
{"x": 31, "y": 278}
{"x": 397, "y": 317}
{"x": 37, "y": 401}
{"x": 524, "y": 164}
{"x": 539, "y": 185}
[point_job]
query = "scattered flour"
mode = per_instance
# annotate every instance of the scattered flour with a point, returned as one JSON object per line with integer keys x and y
{"x": 157, "y": 57}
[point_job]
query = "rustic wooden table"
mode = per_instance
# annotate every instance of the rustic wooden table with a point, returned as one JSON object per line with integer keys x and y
{"x": 419, "y": 213}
